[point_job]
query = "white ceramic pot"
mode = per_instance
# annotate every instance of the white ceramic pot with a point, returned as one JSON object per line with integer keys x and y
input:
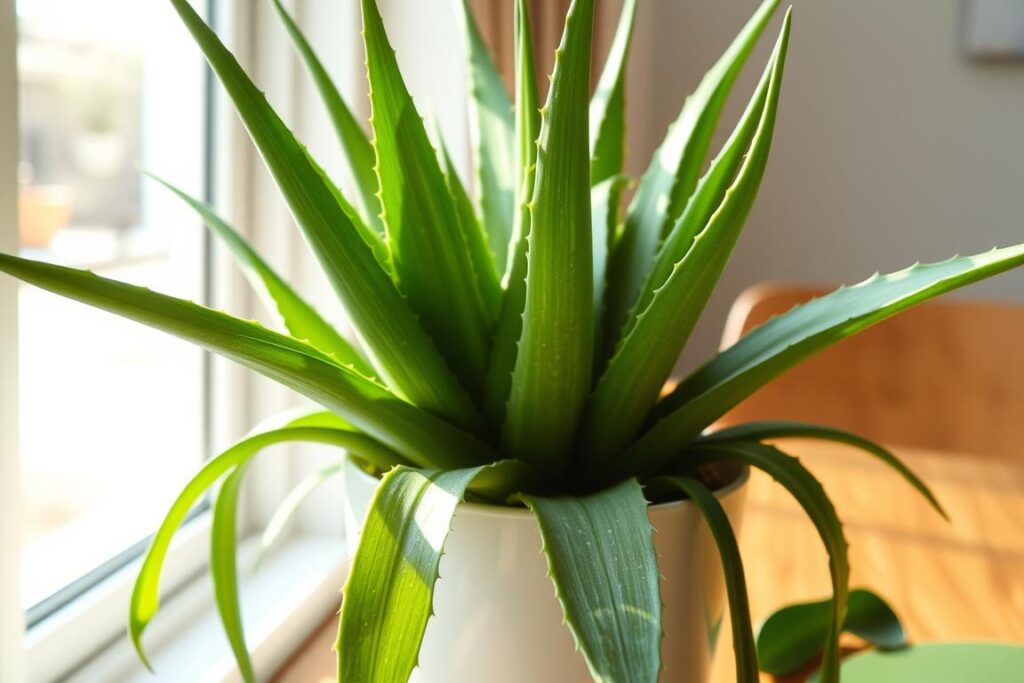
{"x": 497, "y": 619}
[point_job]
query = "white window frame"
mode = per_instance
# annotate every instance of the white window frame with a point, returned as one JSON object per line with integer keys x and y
{"x": 86, "y": 640}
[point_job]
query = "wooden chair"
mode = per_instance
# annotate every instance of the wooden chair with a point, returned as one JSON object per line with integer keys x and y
{"x": 945, "y": 375}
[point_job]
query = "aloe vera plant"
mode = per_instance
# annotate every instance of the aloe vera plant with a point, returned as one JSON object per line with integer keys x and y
{"x": 513, "y": 340}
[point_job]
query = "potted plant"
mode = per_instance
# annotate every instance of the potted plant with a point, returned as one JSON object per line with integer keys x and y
{"x": 514, "y": 346}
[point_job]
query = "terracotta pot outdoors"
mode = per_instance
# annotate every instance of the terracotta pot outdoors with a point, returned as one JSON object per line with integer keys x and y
{"x": 496, "y": 616}
{"x": 43, "y": 211}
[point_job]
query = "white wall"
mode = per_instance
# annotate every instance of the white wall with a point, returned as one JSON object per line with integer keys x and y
{"x": 890, "y": 147}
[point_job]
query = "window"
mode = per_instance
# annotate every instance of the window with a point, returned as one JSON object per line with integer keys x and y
{"x": 112, "y": 415}
{"x": 88, "y": 391}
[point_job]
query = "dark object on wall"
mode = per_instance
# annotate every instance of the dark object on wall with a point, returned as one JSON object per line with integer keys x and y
{"x": 992, "y": 30}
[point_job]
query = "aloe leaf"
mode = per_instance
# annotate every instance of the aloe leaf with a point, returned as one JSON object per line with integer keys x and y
{"x": 759, "y": 431}
{"x": 484, "y": 268}
{"x": 290, "y": 505}
{"x": 786, "y": 340}
{"x": 354, "y": 141}
{"x": 510, "y": 321}
{"x": 419, "y": 436}
{"x": 604, "y": 211}
{"x": 389, "y": 592}
{"x": 807, "y": 491}
{"x": 398, "y": 345}
{"x": 492, "y": 133}
{"x": 224, "y": 569}
{"x": 601, "y": 558}
{"x": 608, "y": 106}
{"x": 791, "y": 638}
{"x": 527, "y": 110}
{"x": 291, "y": 427}
{"x": 301, "y": 320}
{"x": 672, "y": 176}
{"x": 732, "y": 567}
{"x": 690, "y": 264}
{"x": 553, "y": 368}
{"x": 431, "y": 261}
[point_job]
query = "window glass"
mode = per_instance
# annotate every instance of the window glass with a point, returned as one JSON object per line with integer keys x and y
{"x": 112, "y": 415}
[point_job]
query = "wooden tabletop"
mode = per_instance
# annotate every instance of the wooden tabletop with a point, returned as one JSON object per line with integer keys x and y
{"x": 957, "y": 580}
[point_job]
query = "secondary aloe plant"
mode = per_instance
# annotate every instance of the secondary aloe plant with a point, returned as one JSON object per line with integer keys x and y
{"x": 513, "y": 343}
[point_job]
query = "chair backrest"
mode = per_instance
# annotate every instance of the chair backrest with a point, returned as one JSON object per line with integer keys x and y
{"x": 944, "y": 375}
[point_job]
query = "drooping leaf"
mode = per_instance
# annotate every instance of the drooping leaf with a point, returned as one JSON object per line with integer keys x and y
{"x": 419, "y": 436}
{"x": 301, "y": 320}
{"x": 432, "y": 263}
{"x": 672, "y": 176}
{"x": 492, "y": 134}
{"x": 786, "y": 340}
{"x": 693, "y": 259}
{"x": 601, "y": 558}
{"x": 484, "y": 270}
{"x": 389, "y": 591}
{"x": 510, "y": 321}
{"x": 807, "y": 491}
{"x": 290, "y": 505}
{"x": 604, "y": 215}
{"x": 224, "y": 569}
{"x": 553, "y": 368}
{"x": 760, "y": 431}
{"x": 354, "y": 141}
{"x": 287, "y": 428}
{"x": 791, "y": 638}
{"x": 732, "y": 567}
{"x": 400, "y": 349}
{"x": 608, "y": 106}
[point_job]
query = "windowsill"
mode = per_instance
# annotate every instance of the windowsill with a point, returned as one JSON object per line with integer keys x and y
{"x": 283, "y": 603}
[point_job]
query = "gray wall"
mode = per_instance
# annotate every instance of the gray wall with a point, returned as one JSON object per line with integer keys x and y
{"x": 890, "y": 147}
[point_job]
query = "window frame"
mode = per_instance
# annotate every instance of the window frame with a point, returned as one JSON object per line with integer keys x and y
{"x": 48, "y": 645}
{"x": 11, "y": 660}
{"x": 312, "y": 553}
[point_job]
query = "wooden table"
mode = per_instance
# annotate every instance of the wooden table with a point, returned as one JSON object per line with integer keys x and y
{"x": 955, "y": 580}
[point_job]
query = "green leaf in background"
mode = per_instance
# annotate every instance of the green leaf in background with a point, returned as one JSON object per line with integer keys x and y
{"x": 604, "y": 214}
{"x": 938, "y": 663}
{"x": 732, "y": 567}
{"x": 492, "y": 133}
{"x": 290, "y": 505}
{"x": 392, "y": 335}
{"x": 791, "y": 638}
{"x": 301, "y": 320}
{"x": 788, "y": 339}
{"x": 487, "y": 281}
{"x": 354, "y": 141}
{"x": 601, "y": 558}
{"x": 669, "y": 308}
{"x": 553, "y": 368}
{"x": 390, "y": 587}
{"x": 672, "y": 176}
{"x": 760, "y": 431}
{"x": 372, "y": 408}
{"x": 292, "y": 427}
{"x": 807, "y": 491}
{"x": 224, "y": 568}
{"x": 432, "y": 263}
{"x": 510, "y": 321}
{"x": 608, "y": 106}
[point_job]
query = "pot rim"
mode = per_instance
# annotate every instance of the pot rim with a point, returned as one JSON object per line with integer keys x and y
{"x": 506, "y": 512}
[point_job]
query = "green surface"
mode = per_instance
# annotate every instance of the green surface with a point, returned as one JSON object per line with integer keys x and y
{"x": 939, "y": 663}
